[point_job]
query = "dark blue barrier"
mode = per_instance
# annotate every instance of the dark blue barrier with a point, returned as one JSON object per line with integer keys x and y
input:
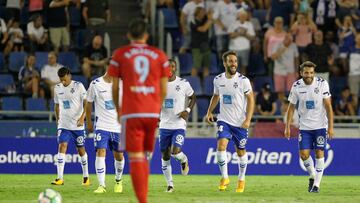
{"x": 266, "y": 157}
{"x": 28, "y": 128}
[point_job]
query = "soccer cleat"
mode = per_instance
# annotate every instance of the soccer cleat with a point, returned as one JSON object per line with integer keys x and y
{"x": 185, "y": 168}
{"x": 240, "y": 186}
{"x": 224, "y": 182}
{"x": 57, "y": 181}
{"x": 311, "y": 184}
{"x": 170, "y": 189}
{"x": 86, "y": 181}
{"x": 101, "y": 189}
{"x": 118, "y": 188}
{"x": 315, "y": 189}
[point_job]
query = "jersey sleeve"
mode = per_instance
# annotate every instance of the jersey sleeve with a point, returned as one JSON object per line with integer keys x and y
{"x": 114, "y": 66}
{"x": 325, "y": 90}
{"x": 56, "y": 99}
{"x": 293, "y": 97}
{"x": 189, "y": 91}
{"x": 82, "y": 91}
{"x": 91, "y": 92}
{"x": 247, "y": 86}
{"x": 216, "y": 86}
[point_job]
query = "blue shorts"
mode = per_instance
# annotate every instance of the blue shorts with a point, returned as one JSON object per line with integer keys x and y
{"x": 171, "y": 137}
{"x": 105, "y": 139}
{"x": 238, "y": 135}
{"x": 77, "y": 136}
{"x": 312, "y": 139}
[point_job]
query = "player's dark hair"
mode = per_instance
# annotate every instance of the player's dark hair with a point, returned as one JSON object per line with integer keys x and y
{"x": 63, "y": 71}
{"x": 307, "y": 64}
{"x": 137, "y": 28}
{"x": 228, "y": 53}
{"x": 172, "y": 61}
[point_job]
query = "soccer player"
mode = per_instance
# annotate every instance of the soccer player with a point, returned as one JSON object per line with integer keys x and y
{"x": 107, "y": 130}
{"x": 144, "y": 71}
{"x": 69, "y": 99}
{"x": 174, "y": 114}
{"x": 313, "y": 98}
{"x": 235, "y": 95}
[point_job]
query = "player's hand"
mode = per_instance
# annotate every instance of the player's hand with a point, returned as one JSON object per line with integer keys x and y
{"x": 246, "y": 124}
{"x": 184, "y": 115}
{"x": 330, "y": 133}
{"x": 80, "y": 122}
{"x": 210, "y": 118}
{"x": 287, "y": 133}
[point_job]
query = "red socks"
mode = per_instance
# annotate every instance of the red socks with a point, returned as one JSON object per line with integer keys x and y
{"x": 139, "y": 171}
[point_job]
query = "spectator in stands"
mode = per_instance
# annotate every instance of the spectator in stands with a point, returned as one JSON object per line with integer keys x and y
{"x": 330, "y": 40}
{"x": 97, "y": 15}
{"x": 4, "y": 38}
{"x": 186, "y": 17}
{"x": 344, "y": 106}
{"x": 49, "y": 74}
{"x": 262, "y": 4}
{"x": 36, "y": 7}
{"x": 283, "y": 8}
{"x": 57, "y": 20}
{"x": 303, "y": 30}
{"x": 320, "y": 53}
{"x": 346, "y": 35}
{"x": 16, "y": 36}
{"x": 286, "y": 57}
{"x": 256, "y": 24}
{"x": 256, "y": 61}
{"x": 324, "y": 14}
{"x": 266, "y": 102}
{"x": 13, "y": 10}
{"x": 241, "y": 33}
{"x": 29, "y": 77}
{"x": 95, "y": 58}
{"x": 159, "y": 5}
{"x": 302, "y": 6}
{"x": 224, "y": 15}
{"x": 244, "y": 4}
{"x": 38, "y": 35}
{"x": 200, "y": 41}
{"x": 345, "y": 8}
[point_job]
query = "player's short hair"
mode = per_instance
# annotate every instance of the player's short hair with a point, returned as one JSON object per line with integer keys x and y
{"x": 307, "y": 64}
{"x": 228, "y": 53}
{"x": 137, "y": 28}
{"x": 63, "y": 71}
{"x": 172, "y": 61}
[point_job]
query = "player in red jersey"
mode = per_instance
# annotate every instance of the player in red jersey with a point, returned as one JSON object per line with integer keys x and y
{"x": 144, "y": 71}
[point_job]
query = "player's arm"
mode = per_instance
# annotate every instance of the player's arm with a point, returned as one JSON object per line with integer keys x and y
{"x": 213, "y": 102}
{"x": 81, "y": 120}
{"x": 115, "y": 94}
{"x": 57, "y": 113}
{"x": 330, "y": 115}
{"x": 289, "y": 116}
{"x": 185, "y": 114}
{"x": 163, "y": 88}
{"x": 89, "y": 125}
{"x": 249, "y": 109}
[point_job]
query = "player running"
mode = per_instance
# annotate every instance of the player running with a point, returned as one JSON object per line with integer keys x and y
{"x": 234, "y": 92}
{"x": 69, "y": 99}
{"x": 174, "y": 114}
{"x": 144, "y": 71}
{"x": 312, "y": 95}
{"x": 107, "y": 130}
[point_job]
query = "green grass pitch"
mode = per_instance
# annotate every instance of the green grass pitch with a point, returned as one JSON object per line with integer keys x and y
{"x": 193, "y": 188}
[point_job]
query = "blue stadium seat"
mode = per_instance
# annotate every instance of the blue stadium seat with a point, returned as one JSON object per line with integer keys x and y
{"x": 11, "y": 104}
{"x": 186, "y": 63}
{"x": 214, "y": 65}
{"x": 32, "y": 104}
{"x": 202, "y": 106}
{"x": 16, "y": 60}
{"x": 69, "y": 59}
{"x": 75, "y": 16}
{"x": 41, "y": 59}
{"x": 6, "y": 80}
{"x": 195, "y": 84}
{"x": 261, "y": 80}
{"x": 82, "y": 79}
{"x": 51, "y": 105}
{"x": 256, "y": 65}
{"x": 209, "y": 85}
{"x": 2, "y": 62}
{"x": 336, "y": 85}
{"x": 170, "y": 19}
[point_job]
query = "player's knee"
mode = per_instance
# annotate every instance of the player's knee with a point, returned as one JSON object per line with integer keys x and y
{"x": 119, "y": 156}
{"x": 304, "y": 156}
{"x": 101, "y": 152}
{"x": 241, "y": 152}
{"x": 166, "y": 155}
{"x": 319, "y": 153}
{"x": 175, "y": 150}
{"x": 62, "y": 147}
{"x": 81, "y": 151}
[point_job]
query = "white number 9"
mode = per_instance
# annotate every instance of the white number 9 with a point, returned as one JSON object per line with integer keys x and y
{"x": 142, "y": 67}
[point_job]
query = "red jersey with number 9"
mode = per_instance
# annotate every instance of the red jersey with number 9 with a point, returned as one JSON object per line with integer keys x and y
{"x": 140, "y": 67}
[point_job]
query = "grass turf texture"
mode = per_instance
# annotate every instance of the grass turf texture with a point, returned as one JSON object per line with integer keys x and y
{"x": 192, "y": 188}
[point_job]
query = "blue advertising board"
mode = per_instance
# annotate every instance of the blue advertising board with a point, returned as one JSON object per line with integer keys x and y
{"x": 266, "y": 157}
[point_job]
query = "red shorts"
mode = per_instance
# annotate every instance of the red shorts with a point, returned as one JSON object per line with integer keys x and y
{"x": 138, "y": 134}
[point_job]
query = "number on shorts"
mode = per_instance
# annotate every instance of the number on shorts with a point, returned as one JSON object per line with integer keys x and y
{"x": 142, "y": 67}
{"x": 97, "y": 137}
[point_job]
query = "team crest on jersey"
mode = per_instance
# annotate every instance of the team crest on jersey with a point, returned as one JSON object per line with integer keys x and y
{"x": 72, "y": 90}
{"x": 236, "y": 85}
{"x": 316, "y": 90}
{"x": 177, "y": 88}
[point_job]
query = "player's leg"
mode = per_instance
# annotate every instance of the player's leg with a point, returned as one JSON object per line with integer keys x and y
{"x": 79, "y": 136}
{"x": 165, "y": 144}
{"x": 240, "y": 136}
{"x": 101, "y": 144}
{"x": 119, "y": 161}
{"x": 305, "y": 146}
{"x": 320, "y": 144}
{"x": 63, "y": 139}
{"x": 178, "y": 138}
{"x": 223, "y": 139}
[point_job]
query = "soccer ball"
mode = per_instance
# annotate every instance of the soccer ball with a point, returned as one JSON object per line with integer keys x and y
{"x": 49, "y": 196}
